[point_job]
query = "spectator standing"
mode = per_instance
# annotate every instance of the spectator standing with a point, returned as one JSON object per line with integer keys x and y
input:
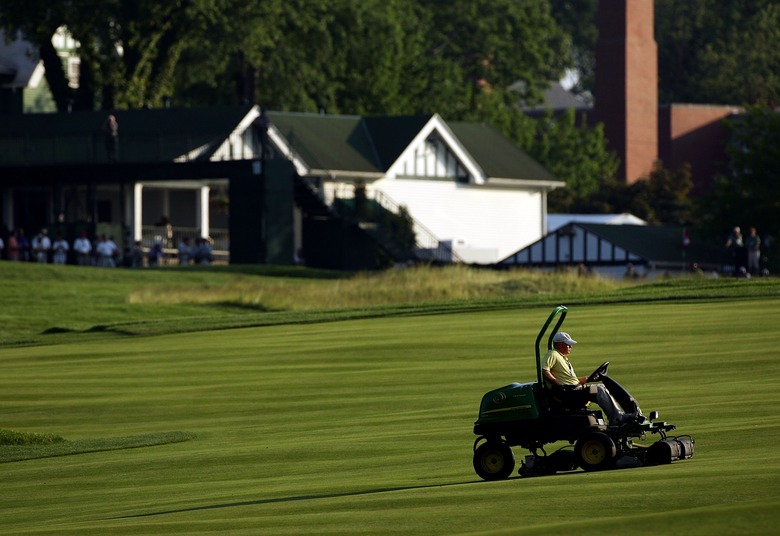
{"x": 105, "y": 253}
{"x": 2, "y": 247}
{"x": 41, "y": 246}
{"x": 83, "y": 248}
{"x": 753, "y": 246}
{"x": 736, "y": 245}
{"x": 138, "y": 255}
{"x": 60, "y": 248}
{"x": 111, "y": 135}
{"x": 24, "y": 246}
{"x": 114, "y": 250}
{"x": 13, "y": 247}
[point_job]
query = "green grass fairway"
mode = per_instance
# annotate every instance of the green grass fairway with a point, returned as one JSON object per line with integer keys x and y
{"x": 365, "y": 426}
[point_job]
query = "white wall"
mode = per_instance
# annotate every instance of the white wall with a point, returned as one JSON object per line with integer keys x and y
{"x": 483, "y": 224}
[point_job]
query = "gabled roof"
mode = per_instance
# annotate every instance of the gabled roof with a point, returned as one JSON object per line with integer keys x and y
{"x": 496, "y": 155}
{"x": 329, "y": 142}
{"x": 556, "y": 97}
{"x": 319, "y": 144}
{"x": 605, "y": 244}
{"x": 392, "y": 135}
{"x": 656, "y": 244}
{"x": 153, "y": 135}
{"x": 348, "y": 144}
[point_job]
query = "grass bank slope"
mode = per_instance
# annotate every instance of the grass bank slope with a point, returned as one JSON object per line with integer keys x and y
{"x": 46, "y": 304}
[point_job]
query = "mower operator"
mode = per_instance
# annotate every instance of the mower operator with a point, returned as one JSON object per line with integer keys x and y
{"x": 569, "y": 388}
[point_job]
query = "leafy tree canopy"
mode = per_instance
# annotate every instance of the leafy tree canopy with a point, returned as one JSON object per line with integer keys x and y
{"x": 575, "y": 154}
{"x": 129, "y": 49}
{"x": 373, "y": 56}
{"x": 719, "y": 51}
{"x": 578, "y": 19}
{"x": 748, "y": 196}
{"x": 709, "y": 51}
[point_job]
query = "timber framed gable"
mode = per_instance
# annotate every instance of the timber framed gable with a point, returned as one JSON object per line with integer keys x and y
{"x": 436, "y": 153}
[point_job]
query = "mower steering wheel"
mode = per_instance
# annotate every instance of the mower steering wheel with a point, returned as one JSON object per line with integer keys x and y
{"x": 601, "y": 371}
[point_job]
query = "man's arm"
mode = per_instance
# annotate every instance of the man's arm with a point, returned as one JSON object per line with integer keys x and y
{"x": 550, "y": 377}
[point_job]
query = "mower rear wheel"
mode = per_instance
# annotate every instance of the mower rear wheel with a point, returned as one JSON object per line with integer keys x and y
{"x": 595, "y": 451}
{"x": 494, "y": 460}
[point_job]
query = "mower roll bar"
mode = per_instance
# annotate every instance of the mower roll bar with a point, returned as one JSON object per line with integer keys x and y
{"x": 562, "y": 309}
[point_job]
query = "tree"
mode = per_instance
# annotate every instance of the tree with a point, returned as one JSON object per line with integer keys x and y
{"x": 664, "y": 197}
{"x": 709, "y": 51}
{"x": 36, "y": 21}
{"x": 578, "y": 19}
{"x": 129, "y": 49}
{"x": 576, "y": 154}
{"x": 748, "y": 195}
{"x": 350, "y": 57}
{"x": 373, "y": 56}
{"x": 494, "y": 45}
{"x": 718, "y": 51}
{"x": 661, "y": 199}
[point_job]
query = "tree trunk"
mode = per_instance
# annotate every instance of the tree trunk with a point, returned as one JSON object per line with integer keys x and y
{"x": 55, "y": 76}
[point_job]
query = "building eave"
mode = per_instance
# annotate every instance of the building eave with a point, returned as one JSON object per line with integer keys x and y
{"x": 500, "y": 182}
{"x": 348, "y": 175}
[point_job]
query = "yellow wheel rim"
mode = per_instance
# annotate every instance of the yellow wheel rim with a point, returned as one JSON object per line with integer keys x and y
{"x": 493, "y": 461}
{"x": 593, "y": 452}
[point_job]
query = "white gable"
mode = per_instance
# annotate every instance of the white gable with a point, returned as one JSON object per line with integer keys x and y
{"x": 435, "y": 152}
{"x": 241, "y": 143}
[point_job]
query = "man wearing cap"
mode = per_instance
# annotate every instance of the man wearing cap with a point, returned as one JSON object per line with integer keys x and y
{"x": 559, "y": 375}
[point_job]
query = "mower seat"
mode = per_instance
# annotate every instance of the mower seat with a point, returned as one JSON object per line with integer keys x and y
{"x": 577, "y": 404}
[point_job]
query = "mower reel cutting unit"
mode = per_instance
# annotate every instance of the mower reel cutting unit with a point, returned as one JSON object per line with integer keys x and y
{"x": 528, "y": 415}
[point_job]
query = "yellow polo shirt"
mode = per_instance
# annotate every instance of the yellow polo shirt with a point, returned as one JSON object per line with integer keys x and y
{"x": 560, "y": 367}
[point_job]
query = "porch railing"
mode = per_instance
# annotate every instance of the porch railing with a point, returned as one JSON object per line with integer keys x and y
{"x": 170, "y": 238}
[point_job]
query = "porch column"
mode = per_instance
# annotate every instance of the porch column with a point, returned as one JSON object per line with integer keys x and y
{"x": 203, "y": 211}
{"x": 138, "y": 189}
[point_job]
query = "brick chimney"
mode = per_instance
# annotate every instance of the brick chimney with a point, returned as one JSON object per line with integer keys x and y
{"x": 626, "y": 93}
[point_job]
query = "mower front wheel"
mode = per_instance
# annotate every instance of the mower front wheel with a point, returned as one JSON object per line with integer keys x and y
{"x": 595, "y": 451}
{"x": 494, "y": 460}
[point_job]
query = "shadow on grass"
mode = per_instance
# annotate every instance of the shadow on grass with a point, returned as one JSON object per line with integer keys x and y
{"x": 32, "y": 451}
{"x": 313, "y": 497}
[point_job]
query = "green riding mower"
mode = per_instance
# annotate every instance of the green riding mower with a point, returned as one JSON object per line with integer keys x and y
{"x": 528, "y": 415}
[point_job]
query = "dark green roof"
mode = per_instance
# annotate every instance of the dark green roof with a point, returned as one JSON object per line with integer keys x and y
{"x": 656, "y": 244}
{"x": 373, "y": 144}
{"x": 599, "y": 244}
{"x": 333, "y": 142}
{"x": 392, "y": 135}
{"x": 144, "y": 135}
{"x": 497, "y": 155}
{"x": 328, "y": 142}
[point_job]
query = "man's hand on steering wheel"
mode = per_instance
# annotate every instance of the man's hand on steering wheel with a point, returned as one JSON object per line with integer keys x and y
{"x": 598, "y": 373}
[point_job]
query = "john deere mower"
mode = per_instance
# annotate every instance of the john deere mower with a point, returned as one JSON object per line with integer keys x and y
{"x": 529, "y": 416}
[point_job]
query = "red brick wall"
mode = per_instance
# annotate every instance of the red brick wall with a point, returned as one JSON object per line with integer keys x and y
{"x": 626, "y": 93}
{"x": 694, "y": 134}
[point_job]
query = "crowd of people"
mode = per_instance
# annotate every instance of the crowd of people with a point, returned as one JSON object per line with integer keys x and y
{"x": 103, "y": 251}
{"x": 745, "y": 252}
